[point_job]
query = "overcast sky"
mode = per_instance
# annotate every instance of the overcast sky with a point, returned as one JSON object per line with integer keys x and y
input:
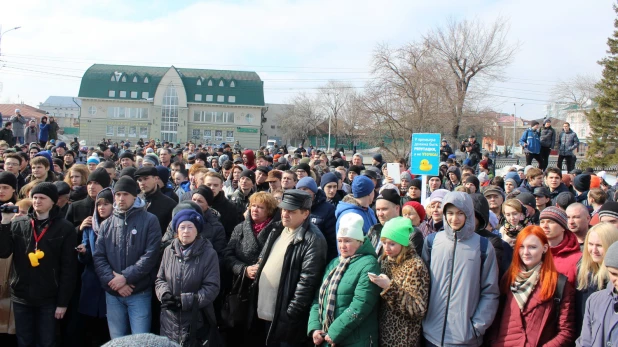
{"x": 293, "y": 45}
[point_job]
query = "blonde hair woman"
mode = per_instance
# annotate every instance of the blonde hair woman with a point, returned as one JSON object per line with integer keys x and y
{"x": 592, "y": 274}
{"x": 515, "y": 220}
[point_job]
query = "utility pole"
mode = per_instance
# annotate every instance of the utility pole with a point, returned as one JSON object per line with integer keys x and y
{"x": 2, "y": 34}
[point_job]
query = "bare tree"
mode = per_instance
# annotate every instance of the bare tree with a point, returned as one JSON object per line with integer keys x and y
{"x": 306, "y": 116}
{"x": 465, "y": 51}
{"x": 579, "y": 90}
{"x": 334, "y": 99}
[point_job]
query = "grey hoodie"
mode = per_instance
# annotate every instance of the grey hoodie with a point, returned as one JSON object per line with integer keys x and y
{"x": 129, "y": 244}
{"x": 462, "y": 301}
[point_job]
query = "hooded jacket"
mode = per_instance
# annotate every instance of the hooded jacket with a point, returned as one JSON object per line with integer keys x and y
{"x": 128, "y": 244}
{"x": 599, "y": 309}
{"x": 43, "y": 132}
{"x": 349, "y": 205}
{"x": 567, "y": 143}
{"x": 463, "y": 300}
{"x": 530, "y": 138}
{"x": 18, "y": 125}
{"x": 53, "y": 281}
{"x": 92, "y": 296}
{"x": 448, "y": 184}
{"x": 554, "y": 194}
{"x": 185, "y": 275}
{"x": 404, "y": 303}
{"x": 566, "y": 256}
{"x": 250, "y": 159}
{"x": 323, "y": 216}
{"x": 339, "y": 195}
{"x": 30, "y": 134}
{"x": 355, "y": 322}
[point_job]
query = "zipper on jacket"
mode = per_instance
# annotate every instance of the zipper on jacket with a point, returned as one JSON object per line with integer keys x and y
{"x": 450, "y": 286}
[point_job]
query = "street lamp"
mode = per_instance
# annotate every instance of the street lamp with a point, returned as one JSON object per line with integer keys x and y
{"x": 2, "y": 34}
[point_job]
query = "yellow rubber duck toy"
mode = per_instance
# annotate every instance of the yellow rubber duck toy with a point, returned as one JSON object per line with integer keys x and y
{"x": 35, "y": 256}
{"x": 425, "y": 166}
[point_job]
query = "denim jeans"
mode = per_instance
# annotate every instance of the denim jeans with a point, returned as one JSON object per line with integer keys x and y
{"x": 19, "y": 139}
{"x": 35, "y": 325}
{"x": 130, "y": 315}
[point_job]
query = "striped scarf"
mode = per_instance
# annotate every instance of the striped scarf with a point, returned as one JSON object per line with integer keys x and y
{"x": 331, "y": 282}
{"x": 524, "y": 284}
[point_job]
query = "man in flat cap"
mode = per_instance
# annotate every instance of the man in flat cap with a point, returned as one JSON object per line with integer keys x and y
{"x": 290, "y": 272}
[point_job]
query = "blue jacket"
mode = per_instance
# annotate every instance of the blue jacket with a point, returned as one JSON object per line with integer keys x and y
{"x": 323, "y": 217}
{"x": 129, "y": 244}
{"x": 43, "y": 132}
{"x": 349, "y": 205}
{"x": 92, "y": 296}
{"x": 532, "y": 139}
{"x": 599, "y": 308}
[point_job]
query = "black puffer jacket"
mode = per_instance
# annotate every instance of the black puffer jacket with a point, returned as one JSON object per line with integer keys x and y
{"x": 244, "y": 247}
{"x": 184, "y": 276}
{"x": 323, "y": 216}
{"x": 53, "y": 281}
{"x": 161, "y": 206}
{"x": 229, "y": 215}
{"x": 301, "y": 275}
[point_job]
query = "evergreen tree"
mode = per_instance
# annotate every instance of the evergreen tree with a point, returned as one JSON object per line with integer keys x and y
{"x": 604, "y": 118}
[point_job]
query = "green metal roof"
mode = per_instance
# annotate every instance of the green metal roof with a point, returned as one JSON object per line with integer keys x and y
{"x": 97, "y": 82}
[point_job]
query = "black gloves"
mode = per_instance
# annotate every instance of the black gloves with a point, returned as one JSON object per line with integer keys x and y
{"x": 170, "y": 302}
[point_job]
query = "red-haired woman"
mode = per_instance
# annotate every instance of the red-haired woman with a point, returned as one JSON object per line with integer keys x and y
{"x": 528, "y": 314}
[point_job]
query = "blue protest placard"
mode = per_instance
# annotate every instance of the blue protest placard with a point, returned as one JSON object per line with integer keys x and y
{"x": 425, "y": 154}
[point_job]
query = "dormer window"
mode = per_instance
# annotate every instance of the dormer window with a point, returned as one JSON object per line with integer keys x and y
{"x": 124, "y": 78}
{"x": 146, "y": 80}
{"x": 113, "y": 79}
{"x": 134, "y": 79}
{"x": 210, "y": 83}
{"x": 199, "y": 81}
{"x": 221, "y": 84}
{"x": 232, "y": 84}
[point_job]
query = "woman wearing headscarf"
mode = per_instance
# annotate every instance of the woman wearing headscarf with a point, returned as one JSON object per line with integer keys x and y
{"x": 188, "y": 276}
{"x": 345, "y": 311}
{"x": 530, "y": 314}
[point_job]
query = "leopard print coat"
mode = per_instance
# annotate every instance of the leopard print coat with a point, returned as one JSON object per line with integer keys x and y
{"x": 404, "y": 303}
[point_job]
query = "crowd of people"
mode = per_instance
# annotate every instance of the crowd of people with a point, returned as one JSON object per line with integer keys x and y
{"x": 158, "y": 244}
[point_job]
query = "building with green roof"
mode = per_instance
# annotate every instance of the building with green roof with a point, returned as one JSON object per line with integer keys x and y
{"x": 171, "y": 104}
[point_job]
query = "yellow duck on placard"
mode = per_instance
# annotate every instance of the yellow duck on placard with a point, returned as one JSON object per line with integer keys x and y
{"x": 35, "y": 256}
{"x": 425, "y": 166}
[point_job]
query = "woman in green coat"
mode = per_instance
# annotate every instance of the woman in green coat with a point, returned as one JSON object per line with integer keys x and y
{"x": 345, "y": 311}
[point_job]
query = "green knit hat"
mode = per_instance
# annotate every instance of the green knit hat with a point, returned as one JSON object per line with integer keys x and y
{"x": 398, "y": 230}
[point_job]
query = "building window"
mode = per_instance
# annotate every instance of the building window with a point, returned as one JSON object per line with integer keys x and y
{"x": 123, "y": 93}
{"x": 199, "y": 81}
{"x": 132, "y": 131}
{"x": 134, "y": 79}
{"x": 113, "y": 79}
{"x": 144, "y": 95}
{"x": 228, "y": 117}
{"x": 146, "y": 80}
{"x": 249, "y": 118}
{"x": 232, "y": 84}
{"x": 218, "y": 116}
{"x": 207, "y": 135}
{"x": 229, "y": 136}
{"x": 218, "y": 135}
{"x": 221, "y": 84}
{"x": 210, "y": 83}
{"x": 198, "y": 97}
{"x": 92, "y": 110}
{"x": 196, "y": 134}
{"x": 143, "y": 132}
{"x": 169, "y": 114}
{"x": 231, "y": 98}
{"x": 120, "y": 130}
{"x": 137, "y": 113}
{"x": 209, "y": 98}
{"x": 220, "y": 98}
{"x": 202, "y": 116}
{"x": 111, "y": 93}
{"x": 124, "y": 78}
{"x": 109, "y": 130}
{"x": 133, "y": 95}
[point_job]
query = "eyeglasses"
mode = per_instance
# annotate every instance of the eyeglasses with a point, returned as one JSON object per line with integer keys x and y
{"x": 10, "y": 164}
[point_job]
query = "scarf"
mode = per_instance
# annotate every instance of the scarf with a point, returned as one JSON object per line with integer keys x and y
{"x": 524, "y": 284}
{"x": 257, "y": 227}
{"x": 331, "y": 282}
{"x": 512, "y": 230}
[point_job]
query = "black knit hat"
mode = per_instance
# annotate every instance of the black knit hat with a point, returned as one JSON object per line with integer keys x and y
{"x": 8, "y": 179}
{"x": 415, "y": 182}
{"x": 390, "y": 195}
{"x": 126, "y": 154}
{"x": 304, "y": 167}
{"x": 128, "y": 171}
{"x": 206, "y": 193}
{"x": 46, "y": 188}
{"x": 355, "y": 168}
{"x": 581, "y": 182}
{"x": 100, "y": 176}
{"x": 126, "y": 184}
{"x": 63, "y": 188}
{"x": 249, "y": 174}
{"x": 610, "y": 209}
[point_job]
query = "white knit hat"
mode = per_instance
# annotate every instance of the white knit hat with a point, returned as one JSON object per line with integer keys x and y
{"x": 351, "y": 225}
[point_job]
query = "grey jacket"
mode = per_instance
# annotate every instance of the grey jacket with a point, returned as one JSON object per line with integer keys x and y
{"x": 128, "y": 244}
{"x": 462, "y": 300}
{"x": 18, "y": 124}
{"x": 567, "y": 143}
{"x": 30, "y": 136}
{"x": 599, "y": 308}
{"x": 194, "y": 273}
{"x": 548, "y": 137}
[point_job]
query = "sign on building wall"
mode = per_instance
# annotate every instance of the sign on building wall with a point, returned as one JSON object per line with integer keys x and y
{"x": 247, "y": 130}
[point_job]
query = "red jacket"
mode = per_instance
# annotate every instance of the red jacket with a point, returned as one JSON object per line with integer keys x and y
{"x": 566, "y": 255}
{"x": 536, "y": 325}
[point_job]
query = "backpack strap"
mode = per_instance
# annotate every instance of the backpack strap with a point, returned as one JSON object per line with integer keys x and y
{"x": 429, "y": 239}
{"x": 558, "y": 294}
{"x": 484, "y": 242}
